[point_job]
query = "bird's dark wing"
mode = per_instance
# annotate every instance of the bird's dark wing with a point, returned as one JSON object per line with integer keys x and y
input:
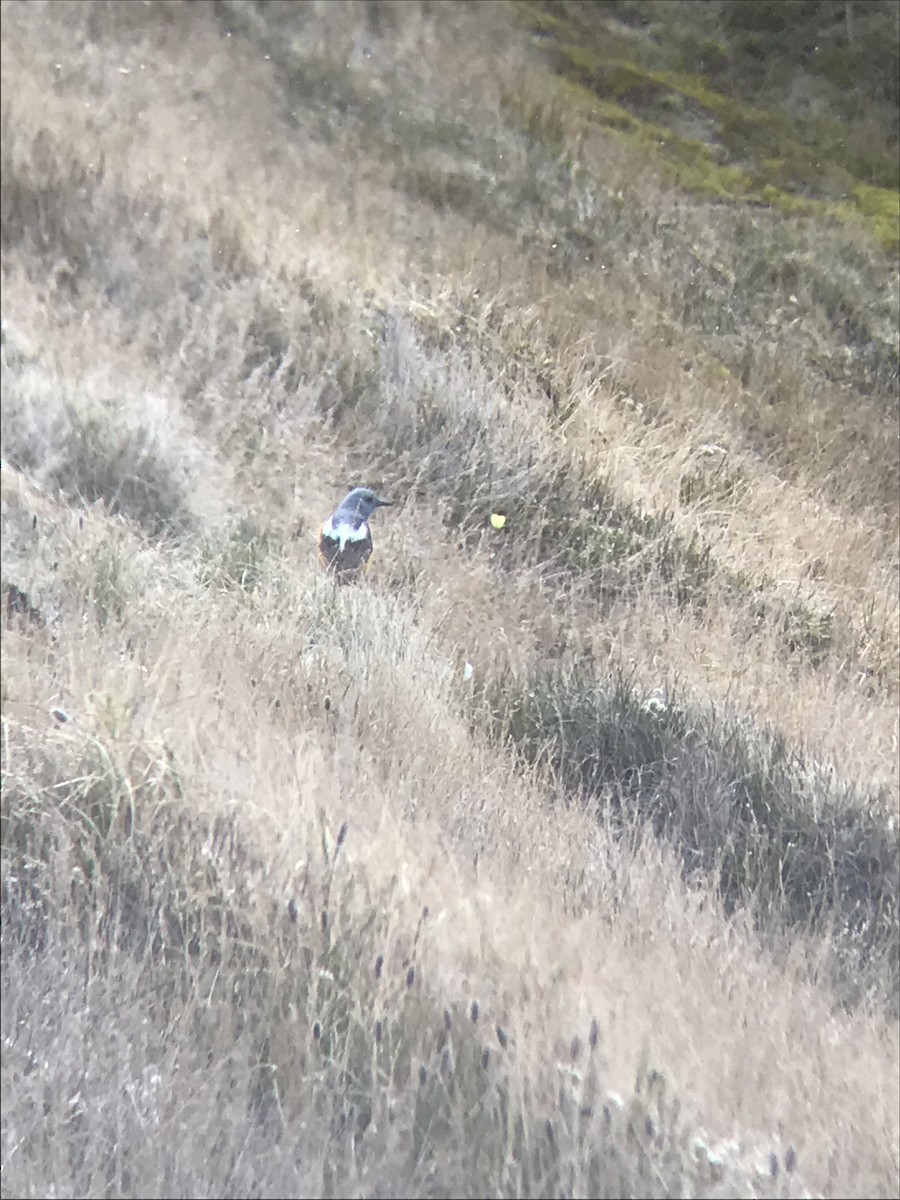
{"x": 344, "y": 564}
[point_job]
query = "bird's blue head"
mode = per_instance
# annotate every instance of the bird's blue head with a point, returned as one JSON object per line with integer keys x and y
{"x": 359, "y": 504}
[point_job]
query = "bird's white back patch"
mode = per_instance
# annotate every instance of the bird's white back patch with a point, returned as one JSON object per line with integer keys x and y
{"x": 344, "y": 532}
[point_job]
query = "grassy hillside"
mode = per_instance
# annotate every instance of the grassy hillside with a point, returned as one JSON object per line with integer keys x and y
{"x": 560, "y": 857}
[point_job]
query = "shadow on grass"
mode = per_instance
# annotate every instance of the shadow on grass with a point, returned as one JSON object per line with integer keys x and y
{"x": 776, "y": 833}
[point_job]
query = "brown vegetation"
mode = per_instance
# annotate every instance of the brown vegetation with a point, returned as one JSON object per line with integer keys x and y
{"x": 558, "y": 858}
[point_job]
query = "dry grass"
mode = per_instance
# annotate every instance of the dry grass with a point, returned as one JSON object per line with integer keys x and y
{"x": 294, "y": 903}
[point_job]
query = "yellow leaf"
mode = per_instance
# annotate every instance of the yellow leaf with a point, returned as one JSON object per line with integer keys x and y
{"x": 498, "y": 520}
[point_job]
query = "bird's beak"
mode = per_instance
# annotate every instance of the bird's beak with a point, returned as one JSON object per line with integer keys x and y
{"x": 385, "y": 503}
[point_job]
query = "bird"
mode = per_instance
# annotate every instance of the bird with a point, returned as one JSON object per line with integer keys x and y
{"x": 345, "y": 542}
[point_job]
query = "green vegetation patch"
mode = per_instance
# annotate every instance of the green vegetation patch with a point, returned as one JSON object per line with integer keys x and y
{"x": 881, "y": 208}
{"x": 710, "y": 142}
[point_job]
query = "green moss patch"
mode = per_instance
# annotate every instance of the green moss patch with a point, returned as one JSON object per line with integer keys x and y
{"x": 716, "y": 144}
